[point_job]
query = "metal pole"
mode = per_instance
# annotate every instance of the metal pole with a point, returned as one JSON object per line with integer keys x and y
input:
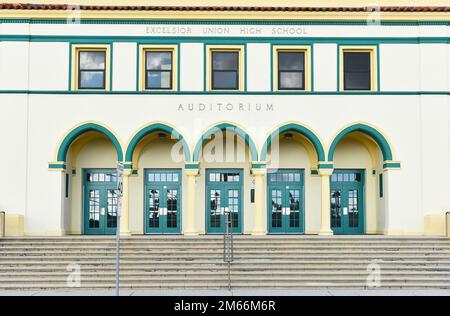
{"x": 118, "y": 254}
{"x": 119, "y": 193}
{"x": 228, "y": 245}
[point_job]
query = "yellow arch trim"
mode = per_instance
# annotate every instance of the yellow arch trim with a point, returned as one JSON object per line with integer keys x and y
{"x": 388, "y": 139}
{"x": 62, "y": 138}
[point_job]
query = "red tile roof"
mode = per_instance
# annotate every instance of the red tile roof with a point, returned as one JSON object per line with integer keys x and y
{"x": 25, "y": 6}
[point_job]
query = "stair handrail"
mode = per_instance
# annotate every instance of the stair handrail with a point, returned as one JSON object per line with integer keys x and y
{"x": 447, "y": 224}
{"x": 228, "y": 251}
{"x": 2, "y": 224}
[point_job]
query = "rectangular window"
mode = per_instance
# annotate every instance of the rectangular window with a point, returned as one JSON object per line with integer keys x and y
{"x": 225, "y": 68}
{"x": 158, "y": 69}
{"x": 90, "y": 67}
{"x": 291, "y": 68}
{"x": 358, "y": 69}
{"x": 291, "y": 71}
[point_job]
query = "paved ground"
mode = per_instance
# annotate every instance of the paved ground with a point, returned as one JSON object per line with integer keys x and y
{"x": 436, "y": 292}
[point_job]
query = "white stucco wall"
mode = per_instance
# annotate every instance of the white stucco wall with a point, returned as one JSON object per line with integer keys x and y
{"x": 191, "y": 68}
{"x": 124, "y": 66}
{"x": 258, "y": 66}
{"x": 417, "y": 126}
{"x": 325, "y": 67}
{"x": 14, "y": 61}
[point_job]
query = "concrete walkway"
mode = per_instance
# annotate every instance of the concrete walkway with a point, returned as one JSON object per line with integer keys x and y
{"x": 86, "y": 292}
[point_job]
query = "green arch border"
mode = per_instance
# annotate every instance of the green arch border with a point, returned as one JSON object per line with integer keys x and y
{"x": 156, "y": 127}
{"x": 78, "y": 131}
{"x": 368, "y": 130}
{"x": 223, "y": 126}
{"x": 292, "y": 127}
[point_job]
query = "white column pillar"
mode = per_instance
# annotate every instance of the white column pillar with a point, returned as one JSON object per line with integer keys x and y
{"x": 125, "y": 213}
{"x": 259, "y": 225}
{"x": 191, "y": 220}
{"x": 393, "y": 200}
{"x": 54, "y": 223}
{"x": 325, "y": 228}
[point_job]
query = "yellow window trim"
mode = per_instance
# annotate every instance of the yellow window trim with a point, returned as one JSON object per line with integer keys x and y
{"x": 158, "y": 48}
{"x": 96, "y": 48}
{"x": 373, "y": 65}
{"x": 292, "y": 48}
{"x": 225, "y": 48}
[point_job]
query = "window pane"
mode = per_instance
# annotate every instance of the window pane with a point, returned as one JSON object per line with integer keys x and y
{"x": 357, "y": 71}
{"x": 291, "y": 61}
{"x": 291, "y": 80}
{"x": 92, "y": 60}
{"x": 359, "y": 61}
{"x": 357, "y": 81}
{"x": 225, "y": 60}
{"x": 158, "y": 80}
{"x": 91, "y": 79}
{"x": 159, "y": 60}
{"x": 225, "y": 80}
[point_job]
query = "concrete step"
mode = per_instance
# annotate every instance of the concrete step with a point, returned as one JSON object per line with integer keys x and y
{"x": 166, "y": 248}
{"x": 152, "y": 262}
{"x": 224, "y": 285}
{"x": 248, "y": 280}
{"x": 184, "y": 259}
{"x": 14, "y": 268}
{"x": 218, "y": 252}
{"x": 235, "y": 273}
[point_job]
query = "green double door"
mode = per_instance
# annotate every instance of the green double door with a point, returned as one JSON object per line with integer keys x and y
{"x": 286, "y": 201}
{"x": 223, "y": 194}
{"x": 100, "y": 201}
{"x": 162, "y": 201}
{"x": 347, "y": 202}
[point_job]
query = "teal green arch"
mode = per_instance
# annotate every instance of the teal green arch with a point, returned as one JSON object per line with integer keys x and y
{"x": 88, "y": 127}
{"x": 292, "y": 127}
{"x": 369, "y": 131}
{"x": 157, "y": 127}
{"x": 222, "y": 127}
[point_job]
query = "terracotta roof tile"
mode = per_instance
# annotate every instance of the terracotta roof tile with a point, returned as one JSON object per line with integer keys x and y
{"x": 26, "y": 6}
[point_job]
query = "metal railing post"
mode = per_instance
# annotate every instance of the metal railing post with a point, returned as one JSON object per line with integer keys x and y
{"x": 447, "y": 224}
{"x": 228, "y": 251}
{"x": 2, "y": 224}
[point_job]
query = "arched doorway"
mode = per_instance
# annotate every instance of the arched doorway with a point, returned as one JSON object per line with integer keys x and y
{"x": 157, "y": 154}
{"x": 360, "y": 154}
{"x": 225, "y": 153}
{"x": 90, "y": 153}
{"x": 292, "y": 153}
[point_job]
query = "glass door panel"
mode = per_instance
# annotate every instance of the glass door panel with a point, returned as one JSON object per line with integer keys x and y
{"x": 233, "y": 208}
{"x": 153, "y": 219}
{"x": 347, "y": 204}
{"x": 293, "y": 210}
{"x": 94, "y": 209}
{"x": 172, "y": 210}
{"x": 111, "y": 210}
{"x": 223, "y": 194}
{"x": 100, "y": 204}
{"x": 215, "y": 210}
{"x": 163, "y": 205}
{"x": 285, "y": 197}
